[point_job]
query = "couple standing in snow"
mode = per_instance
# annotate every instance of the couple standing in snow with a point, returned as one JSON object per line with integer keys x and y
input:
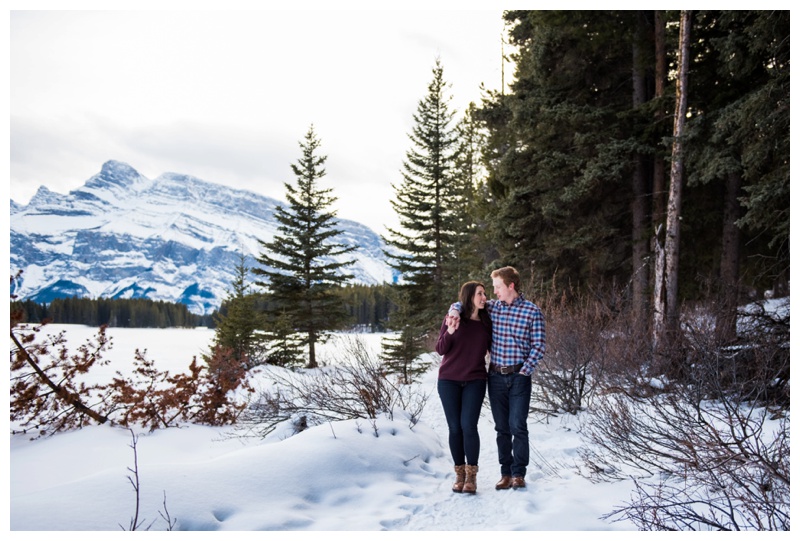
{"x": 511, "y": 329}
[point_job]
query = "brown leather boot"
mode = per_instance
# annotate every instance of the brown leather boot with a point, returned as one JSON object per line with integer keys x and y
{"x": 470, "y": 481}
{"x": 503, "y": 483}
{"x": 458, "y": 486}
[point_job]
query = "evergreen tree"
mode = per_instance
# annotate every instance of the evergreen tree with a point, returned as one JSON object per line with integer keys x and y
{"x": 302, "y": 264}
{"x": 560, "y": 163}
{"x": 424, "y": 204}
{"x": 740, "y": 130}
{"x": 468, "y": 253}
{"x": 401, "y": 353}
{"x": 119, "y": 313}
{"x": 240, "y": 329}
{"x": 285, "y": 344}
{"x": 575, "y": 165}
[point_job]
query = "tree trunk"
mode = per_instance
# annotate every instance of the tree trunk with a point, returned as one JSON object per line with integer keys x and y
{"x": 659, "y": 186}
{"x": 672, "y": 240}
{"x": 312, "y": 354}
{"x": 639, "y": 205}
{"x": 729, "y": 263}
{"x": 659, "y": 297}
{"x": 659, "y": 181}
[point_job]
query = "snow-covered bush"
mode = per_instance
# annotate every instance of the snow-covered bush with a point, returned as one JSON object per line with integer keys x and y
{"x": 355, "y": 387}
{"x": 708, "y": 446}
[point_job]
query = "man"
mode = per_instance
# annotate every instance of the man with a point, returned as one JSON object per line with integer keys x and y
{"x": 518, "y": 344}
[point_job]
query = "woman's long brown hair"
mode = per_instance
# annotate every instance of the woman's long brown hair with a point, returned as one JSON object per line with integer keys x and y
{"x": 465, "y": 296}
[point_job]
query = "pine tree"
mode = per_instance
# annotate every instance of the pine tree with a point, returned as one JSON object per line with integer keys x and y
{"x": 401, "y": 353}
{"x": 742, "y": 148}
{"x": 285, "y": 345}
{"x": 302, "y": 264}
{"x": 424, "y": 205}
{"x": 560, "y": 168}
{"x": 240, "y": 329}
{"x": 467, "y": 259}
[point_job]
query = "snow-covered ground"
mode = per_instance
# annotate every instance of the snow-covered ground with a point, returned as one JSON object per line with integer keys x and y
{"x": 336, "y": 476}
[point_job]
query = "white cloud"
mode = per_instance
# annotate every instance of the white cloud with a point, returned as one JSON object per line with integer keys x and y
{"x": 226, "y": 95}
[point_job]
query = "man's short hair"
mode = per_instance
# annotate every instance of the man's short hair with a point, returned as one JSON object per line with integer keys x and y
{"x": 508, "y": 275}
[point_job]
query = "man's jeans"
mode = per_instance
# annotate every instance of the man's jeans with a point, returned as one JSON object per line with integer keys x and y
{"x": 462, "y": 401}
{"x": 510, "y": 397}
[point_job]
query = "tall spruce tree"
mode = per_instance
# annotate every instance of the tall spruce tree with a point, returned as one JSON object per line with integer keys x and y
{"x": 424, "y": 204}
{"x": 560, "y": 162}
{"x": 741, "y": 136}
{"x": 468, "y": 254}
{"x": 302, "y": 264}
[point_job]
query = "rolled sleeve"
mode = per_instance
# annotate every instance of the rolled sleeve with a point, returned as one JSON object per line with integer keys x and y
{"x": 445, "y": 341}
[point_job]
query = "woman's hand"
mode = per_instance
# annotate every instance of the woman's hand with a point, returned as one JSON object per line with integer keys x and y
{"x": 452, "y": 322}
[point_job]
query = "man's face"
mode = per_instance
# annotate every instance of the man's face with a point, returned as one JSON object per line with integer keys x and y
{"x": 502, "y": 291}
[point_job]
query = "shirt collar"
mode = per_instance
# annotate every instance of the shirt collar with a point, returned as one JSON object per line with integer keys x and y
{"x": 519, "y": 298}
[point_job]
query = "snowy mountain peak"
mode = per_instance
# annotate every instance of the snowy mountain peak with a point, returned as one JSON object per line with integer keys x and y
{"x": 43, "y": 196}
{"x": 175, "y": 238}
{"x": 115, "y": 173}
{"x": 115, "y": 182}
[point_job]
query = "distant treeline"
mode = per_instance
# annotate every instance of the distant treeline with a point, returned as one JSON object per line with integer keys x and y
{"x": 111, "y": 312}
{"x": 368, "y": 307}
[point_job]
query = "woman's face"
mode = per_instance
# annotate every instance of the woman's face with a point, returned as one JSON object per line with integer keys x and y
{"x": 479, "y": 298}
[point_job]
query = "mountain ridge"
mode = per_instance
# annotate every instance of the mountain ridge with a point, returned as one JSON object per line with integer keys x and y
{"x": 174, "y": 238}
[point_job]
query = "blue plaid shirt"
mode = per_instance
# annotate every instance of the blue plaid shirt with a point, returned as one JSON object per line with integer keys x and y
{"x": 517, "y": 333}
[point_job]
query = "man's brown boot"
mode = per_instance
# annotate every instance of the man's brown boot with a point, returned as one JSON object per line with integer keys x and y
{"x": 458, "y": 486}
{"x": 470, "y": 482}
{"x": 517, "y": 482}
{"x": 503, "y": 483}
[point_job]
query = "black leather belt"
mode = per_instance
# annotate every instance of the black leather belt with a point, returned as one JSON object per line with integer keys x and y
{"x": 506, "y": 369}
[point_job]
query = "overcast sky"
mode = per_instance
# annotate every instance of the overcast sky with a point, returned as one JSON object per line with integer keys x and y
{"x": 226, "y": 95}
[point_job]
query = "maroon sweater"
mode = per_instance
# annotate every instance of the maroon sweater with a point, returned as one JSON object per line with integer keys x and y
{"x": 463, "y": 351}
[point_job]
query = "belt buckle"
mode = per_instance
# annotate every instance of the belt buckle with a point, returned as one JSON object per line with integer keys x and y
{"x": 505, "y": 370}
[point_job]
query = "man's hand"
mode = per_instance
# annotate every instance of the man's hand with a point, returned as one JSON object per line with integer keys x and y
{"x": 453, "y": 319}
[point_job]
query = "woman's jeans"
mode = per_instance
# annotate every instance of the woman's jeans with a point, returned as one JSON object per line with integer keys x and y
{"x": 510, "y": 398}
{"x": 462, "y": 401}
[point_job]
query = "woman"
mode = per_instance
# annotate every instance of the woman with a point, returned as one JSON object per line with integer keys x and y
{"x": 462, "y": 381}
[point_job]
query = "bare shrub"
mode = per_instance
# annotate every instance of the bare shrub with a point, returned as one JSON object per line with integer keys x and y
{"x": 756, "y": 368}
{"x": 704, "y": 435}
{"x": 133, "y": 478}
{"x": 356, "y": 387}
{"x": 752, "y": 366}
{"x": 591, "y": 346}
{"x": 50, "y": 392}
{"x": 760, "y": 359}
{"x": 156, "y": 399}
{"x": 724, "y": 467}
